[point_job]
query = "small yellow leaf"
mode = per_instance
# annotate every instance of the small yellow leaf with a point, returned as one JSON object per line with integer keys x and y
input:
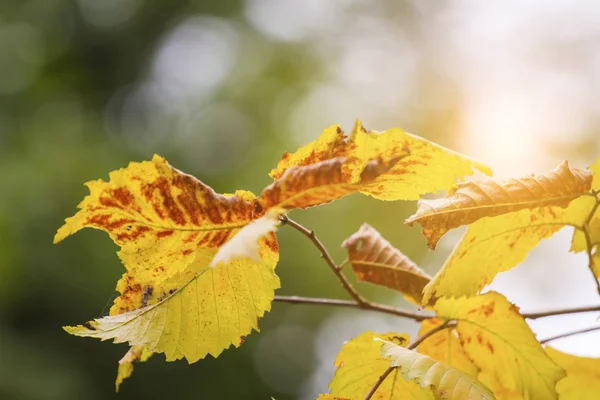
{"x": 390, "y": 165}
{"x": 375, "y": 260}
{"x": 488, "y": 198}
{"x": 444, "y": 346}
{"x": 579, "y": 242}
{"x": 494, "y": 245}
{"x": 360, "y": 364}
{"x": 500, "y": 343}
{"x": 203, "y": 314}
{"x": 583, "y": 376}
{"x": 445, "y": 381}
{"x": 135, "y": 354}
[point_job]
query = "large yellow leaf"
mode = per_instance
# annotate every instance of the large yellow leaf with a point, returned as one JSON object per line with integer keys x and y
{"x": 390, "y": 165}
{"x": 360, "y": 364}
{"x": 499, "y": 342}
{"x": 135, "y": 354}
{"x": 218, "y": 307}
{"x": 487, "y": 198}
{"x": 161, "y": 218}
{"x": 443, "y": 380}
{"x": 494, "y": 245}
{"x": 583, "y": 376}
{"x": 375, "y": 260}
{"x": 444, "y": 346}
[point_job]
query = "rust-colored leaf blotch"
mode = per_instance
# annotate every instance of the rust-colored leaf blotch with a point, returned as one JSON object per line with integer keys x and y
{"x": 474, "y": 200}
{"x": 375, "y": 260}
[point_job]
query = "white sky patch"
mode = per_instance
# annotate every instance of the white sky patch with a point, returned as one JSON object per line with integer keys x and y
{"x": 246, "y": 243}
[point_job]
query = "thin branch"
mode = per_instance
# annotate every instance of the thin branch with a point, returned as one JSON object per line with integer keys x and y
{"x": 576, "y": 310}
{"x": 446, "y": 325}
{"x": 564, "y": 335}
{"x": 325, "y": 255}
{"x": 369, "y": 305}
{"x": 379, "y": 382}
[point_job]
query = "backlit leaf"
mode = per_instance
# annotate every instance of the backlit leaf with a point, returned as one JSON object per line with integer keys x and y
{"x": 445, "y": 381}
{"x": 444, "y": 346}
{"x": 135, "y": 354}
{"x": 161, "y": 218}
{"x": 330, "y": 397}
{"x": 500, "y": 343}
{"x": 583, "y": 376}
{"x": 579, "y": 242}
{"x": 494, "y": 245}
{"x": 375, "y": 260}
{"x": 218, "y": 307}
{"x": 360, "y": 364}
{"x": 474, "y": 200}
{"x": 390, "y": 165}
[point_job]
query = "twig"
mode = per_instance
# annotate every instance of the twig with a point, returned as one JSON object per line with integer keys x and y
{"x": 576, "y": 310}
{"x": 564, "y": 335}
{"x": 369, "y": 305}
{"x": 379, "y": 382}
{"x": 325, "y": 255}
{"x": 446, "y": 325}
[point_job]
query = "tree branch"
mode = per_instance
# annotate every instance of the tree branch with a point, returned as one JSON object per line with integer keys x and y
{"x": 379, "y": 382}
{"x": 564, "y": 335}
{"x": 325, "y": 255}
{"x": 382, "y": 308}
{"x": 575, "y": 310}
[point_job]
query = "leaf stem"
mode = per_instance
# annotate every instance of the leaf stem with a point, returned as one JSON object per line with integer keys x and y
{"x": 325, "y": 255}
{"x": 379, "y": 382}
{"x": 382, "y": 308}
{"x": 564, "y": 335}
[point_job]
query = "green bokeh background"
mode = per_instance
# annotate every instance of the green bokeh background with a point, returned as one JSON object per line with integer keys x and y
{"x": 76, "y": 103}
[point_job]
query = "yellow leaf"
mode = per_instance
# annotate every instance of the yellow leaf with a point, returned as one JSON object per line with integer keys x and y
{"x": 390, "y": 165}
{"x": 444, "y": 346}
{"x": 445, "y": 381}
{"x": 579, "y": 242}
{"x": 218, "y": 307}
{"x": 375, "y": 260}
{"x": 499, "y": 342}
{"x": 359, "y": 364}
{"x": 135, "y": 354}
{"x": 494, "y": 245}
{"x": 596, "y": 171}
{"x": 583, "y": 376}
{"x": 161, "y": 218}
{"x": 488, "y": 198}
{"x": 330, "y": 397}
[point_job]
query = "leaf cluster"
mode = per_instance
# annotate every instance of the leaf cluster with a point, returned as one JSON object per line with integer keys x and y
{"x": 200, "y": 266}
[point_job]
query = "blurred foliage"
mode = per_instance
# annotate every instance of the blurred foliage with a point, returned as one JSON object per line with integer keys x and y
{"x": 221, "y": 89}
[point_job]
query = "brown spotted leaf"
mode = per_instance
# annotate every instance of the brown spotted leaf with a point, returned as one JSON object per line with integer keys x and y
{"x": 375, "y": 260}
{"x": 500, "y": 343}
{"x": 390, "y": 165}
{"x": 170, "y": 226}
{"x": 474, "y": 200}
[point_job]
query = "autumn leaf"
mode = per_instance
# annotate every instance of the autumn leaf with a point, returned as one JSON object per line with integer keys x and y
{"x": 375, "y": 260}
{"x": 390, "y": 165}
{"x": 474, "y": 200}
{"x": 330, "y": 397}
{"x": 500, "y": 343}
{"x": 494, "y": 245}
{"x": 217, "y": 308}
{"x": 445, "y": 347}
{"x": 359, "y": 364}
{"x": 583, "y": 376}
{"x": 445, "y": 381}
{"x": 135, "y": 354}
{"x": 169, "y": 226}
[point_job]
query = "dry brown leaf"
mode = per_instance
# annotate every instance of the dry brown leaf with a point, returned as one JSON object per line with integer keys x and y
{"x": 375, "y": 260}
{"x": 474, "y": 200}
